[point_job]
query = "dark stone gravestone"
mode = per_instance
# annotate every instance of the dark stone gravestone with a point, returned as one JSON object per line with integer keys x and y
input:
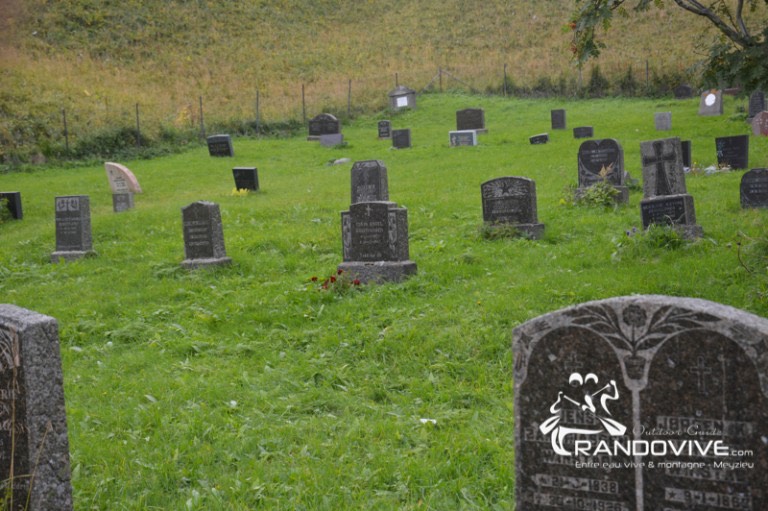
{"x": 122, "y": 202}
{"x": 375, "y": 242}
{"x": 34, "y": 448}
{"x": 733, "y": 151}
{"x": 663, "y": 121}
{"x": 402, "y": 97}
{"x": 385, "y": 129}
{"x": 685, "y": 145}
{"x": 558, "y": 119}
{"x": 471, "y": 119}
{"x": 401, "y": 139}
{"x": 246, "y": 178}
{"x": 73, "y": 228}
{"x": 323, "y": 124}
{"x": 512, "y": 201}
{"x": 760, "y": 124}
{"x": 583, "y": 132}
{"x": 220, "y": 146}
{"x": 683, "y": 91}
{"x": 369, "y": 182}
{"x": 542, "y": 138}
{"x": 331, "y": 140}
{"x": 13, "y": 204}
{"x": 203, "y": 236}
{"x": 671, "y": 210}
{"x": 756, "y": 104}
{"x": 602, "y": 160}
{"x": 711, "y": 103}
{"x": 461, "y": 138}
{"x": 641, "y": 403}
{"x": 754, "y": 189}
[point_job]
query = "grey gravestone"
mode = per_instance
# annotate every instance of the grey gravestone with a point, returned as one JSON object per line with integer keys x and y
{"x": 323, "y": 124}
{"x": 369, "y": 182}
{"x": 512, "y": 201}
{"x": 385, "y": 129}
{"x": 73, "y": 228}
{"x": 401, "y": 139}
{"x": 13, "y": 203}
{"x": 641, "y": 403}
{"x": 685, "y": 145}
{"x": 471, "y": 119}
{"x": 583, "y": 132}
{"x": 602, "y": 160}
{"x": 760, "y": 124}
{"x": 756, "y": 104}
{"x": 331, "y": 140}
{"x": 203, "y": 236}
{"x": 671, "y": 210}
{"x": 663, "y": 121}
{"x": 711, "y": 103}
{"x": 375, "y": 242}
{"x": 542, "y": 138}
{"x": 462, "y": 138}
{"x": 683, "y": 91}
{"x": 662, "y": 167}
{"x": 754, "y": 189}
{"x": 733, "y": 151}
{"x": 220, "y": 146}
{"x": 122, "y": 202}
{"x": 246, "y": 178}
{"x": 558, "y": 119}
{"x": 402, "y": 97}
{"x": 34, "y": 448}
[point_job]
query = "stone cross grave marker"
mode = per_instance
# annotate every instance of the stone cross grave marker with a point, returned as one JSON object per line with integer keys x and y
{"x": 369, "y": 181}
{"x": 641, "y": 403}
{"x": 760, "y": 124}
{"x": 401, "y": 139}
{"x": 384, "y": 129}
{"x": 34, "y": 447}
{"x": 323, "y": 124}
{"x": 602, "y": 160}
{"x": 711, "y": 103}
{"x": 203, "y": 236}
{"x": 462, "y": 138}
{"x": 583, "y": 132}
{"x": 557, "y": 118}
{"x": 756, "y": 104}
{"x": 73, "y": 228}
{"x": 471, "y": 119}
{"x": 220, "y": 146}
{"x": 246, "y": 178}
{"x": 753, "y": 189}
{"x": 511, "y": 200}
{"x": 663, "y": 121}
{"x": 733, "y": 151}
{"x": 13, "y": 204}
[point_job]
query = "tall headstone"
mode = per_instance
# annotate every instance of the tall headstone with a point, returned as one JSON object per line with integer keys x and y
{"x": 401, "y": 139}
{"x": 511, "y": 201}
{"x": 641, "y": 403}
{"x": 384, "y": 129}
{"x": 13, "y": 204}
{"x": 375, "y": 242}
{"x": 753, "y": 189}
{"x": 402, "y": 97}
{"x": 711, "y": 103}
{"x": 73, "y": 228}
{"x": 220, "y": 146}
{"x": 461, "y": 138}
{"x": 369, "y": 182}
{"x": 756, "y": 104}
{"x": 683, "y": 91}
{"x": 203, "y": 236}
{"x": 602, "y": 161}
{"x": 663, "y": 121}
{"x": 34, "y": 447}
{"x": 471, "y": 119}
{"x": 557, "y": 118}
{"x": 760, "y": 125}
{"x": 123, "y": 184}
{"x": 323, "y": 124}
{"x": 733, "y": 151}
{"x": 583, "y": 132}
{"x": 246, "y": 178}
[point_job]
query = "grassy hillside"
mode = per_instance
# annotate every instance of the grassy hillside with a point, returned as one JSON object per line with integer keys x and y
{"x": 98, "y": 59}
{"x": 250, "y": 387}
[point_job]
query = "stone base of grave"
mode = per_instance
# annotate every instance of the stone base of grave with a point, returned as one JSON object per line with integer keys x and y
{"x": 193, "y": 264}
{"x": 689, "y": 232}
{"x": 622, "y": 197}
{"x": 530, "y": 231}
{"x": 676, "y": 211}
{"x": 122, "y": 202}
{"x": 71, "y": 255}
{"x": 380, "y": 271}
{"x": 313, "y": 138}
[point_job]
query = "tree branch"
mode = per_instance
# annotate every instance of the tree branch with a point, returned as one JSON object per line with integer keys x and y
{"x": 731, "y": 33}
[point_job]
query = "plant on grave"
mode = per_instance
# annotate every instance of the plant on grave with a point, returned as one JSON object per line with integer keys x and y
{"x": 498, "y": 231}
{"x": 340, "y": 283}
{"x": 240, "y": 192}
{"x": 636, "y": 242}
{"x": 600, "y": 194}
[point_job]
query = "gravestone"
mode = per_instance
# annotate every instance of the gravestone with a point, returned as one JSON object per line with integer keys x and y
{"x": 369, "y": 182}
{"x": 375, "y": 242}
{"x": 462, "y": 138}
{"x": 733, "y": 151}
{"x": 323, "y": 124}
{"x": 602, "y": 160}
{"x": 542, "y": 138}
{"x": 558, "y": 119}
{"x": 754, "y": 189}
{"x": 402, "y": 97}
{"x": 671, "y": 210}
{"x": 122, "y": 202}
{"x": 471, "y": 119}
{"x": 34, "y": 448}
{"x": 512, "y": 201}
{"x": 121, "y": 179}
{"x": 203, "y": 236}
{"x": 685, "y": 145}
{"x": 401, "y": 139}
{"x": 683, "y": 91}
{"x": 663, "y": 121}
{"x": 760, "y": 124}
{"x": 583, "y": 132}
{"x": 756, "y": 104}
{"x": 246, "y": 178}
{"x": 331, "y": 140}
{"x": 641, "y": 403}
{"x": 711, "y": 103}
{"x": 13, "y": 203}
{"x": 385, "y": 129}
{"x": 220, "y": 146}
{"x": 73, "y": 228}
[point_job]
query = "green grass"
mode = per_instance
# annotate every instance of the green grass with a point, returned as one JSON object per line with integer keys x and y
{"x": 247, "y": 387}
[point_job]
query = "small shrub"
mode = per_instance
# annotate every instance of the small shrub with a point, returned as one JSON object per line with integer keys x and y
{"x": 340, "y": 283}
{"x": 601, "y": 194}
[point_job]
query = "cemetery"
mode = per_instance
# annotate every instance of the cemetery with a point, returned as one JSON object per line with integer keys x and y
{"x": 281, "y": 373}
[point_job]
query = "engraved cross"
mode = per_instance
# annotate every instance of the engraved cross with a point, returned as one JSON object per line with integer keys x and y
{"x": 702, "y": 371}
{"x": 660, "y": 159}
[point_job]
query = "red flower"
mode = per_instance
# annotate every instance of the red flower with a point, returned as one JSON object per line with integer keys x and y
{"x": 356, "y": 282}
{"x": 314, "y": 279}
{"x": 339, "y": 271}
{"x": 333, "y": 279}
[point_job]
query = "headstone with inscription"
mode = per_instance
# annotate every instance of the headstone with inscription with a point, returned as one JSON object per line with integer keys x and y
{"x": 711, "y": 103}
{"x": 583, "y": 132}
{"x": 13, "y": 204}
{"x": 756, "y": 104}
{"x": 663, "y": 121}
{"x": 34, "y": 447}
{"x": 73, "y": 228}
{"x": 220, "y": 146}
{"x": 641, "y": 403}
{"x": 760, "y": 125}
{"x": 557, "y": 117}
{"x": 401, "y": 139}
{"x": 122, "y": 202}
{"x": 671, "y": 210}
{"x": 602, "y": 161}
{"x": 462, "y": 138}
{"x": 683, "y": 91}
{"x": 541, "y": 138}
{"x": 203, "y": 236}
{"x": 733, "y": 151}
{"x": 123, "y": 184}
{"x": 323, "y": 124}
{"x": 384, "y": 129}
{"x": 369, "y": 182}
{"x": 511, "y": 201}
{"x": 402, "y": 97}
{"x": 754, "y": 189}
{"x": 471, "y": 119}
{"x": 246, "y": 178}
{"x": 331, "y": 140}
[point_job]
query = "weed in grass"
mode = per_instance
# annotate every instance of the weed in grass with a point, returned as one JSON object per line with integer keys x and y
{"x": 637, "y": 244}
{"x": 499, "y": 231}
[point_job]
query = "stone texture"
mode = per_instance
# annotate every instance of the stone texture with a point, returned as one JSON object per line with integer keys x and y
{"x": 402, "y": 97}
{"x": 246, "y": 178}
{"x": 662, "y": 162}
{"x": 384, "y": 129}
{"x": 602, "y": 160}
{"x": 760, "y": 124}
{"x": 756, "y": 104}
{"x": 13, "y": 204}
{"x": 401, "y": 139}
{"x": 558, "y": 119}
{"x": 711, "y": 103}
{"x": 683, "y": 91}
{"x": 203, "y": 236}
{"x": 541, "y": 138}
{"x": 121, "y": 179}
{"x": 323, "y": 124}
{"x": 583, "y": 132}
{"x": 673, "y": 210}
{"x": 369, "y": 182}
{"x": 512, "y": 201}
{"x": 462, "y": 138}
{"x": 122, "y": 202}
{"x": 73, "y": 228}
{"x": 662, "y": 121}
{"x": 220, "y": 146}
{"x": 753, "y": 189}
{"x": 733, "y": 151}
{"x": 471, "y": 119}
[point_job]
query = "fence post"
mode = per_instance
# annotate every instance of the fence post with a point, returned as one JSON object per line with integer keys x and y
{"x": 303, "y": 106}
{"x": 258, "y": 115}
{"x": 397, "y": 81}
{"x": 138, "y": 127}
{"x": 504, "y": 83}
{"x": 440, "y": 78}
{"x": 202, "y": 120}
{"x": 647, "y": 82}
{"x": 66, "y": 130}
{"x": 349, "y": 100}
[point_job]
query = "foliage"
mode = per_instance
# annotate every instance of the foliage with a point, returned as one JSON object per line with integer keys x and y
{"x": 5, "y": 213}
{"x": 601, "y": 194}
